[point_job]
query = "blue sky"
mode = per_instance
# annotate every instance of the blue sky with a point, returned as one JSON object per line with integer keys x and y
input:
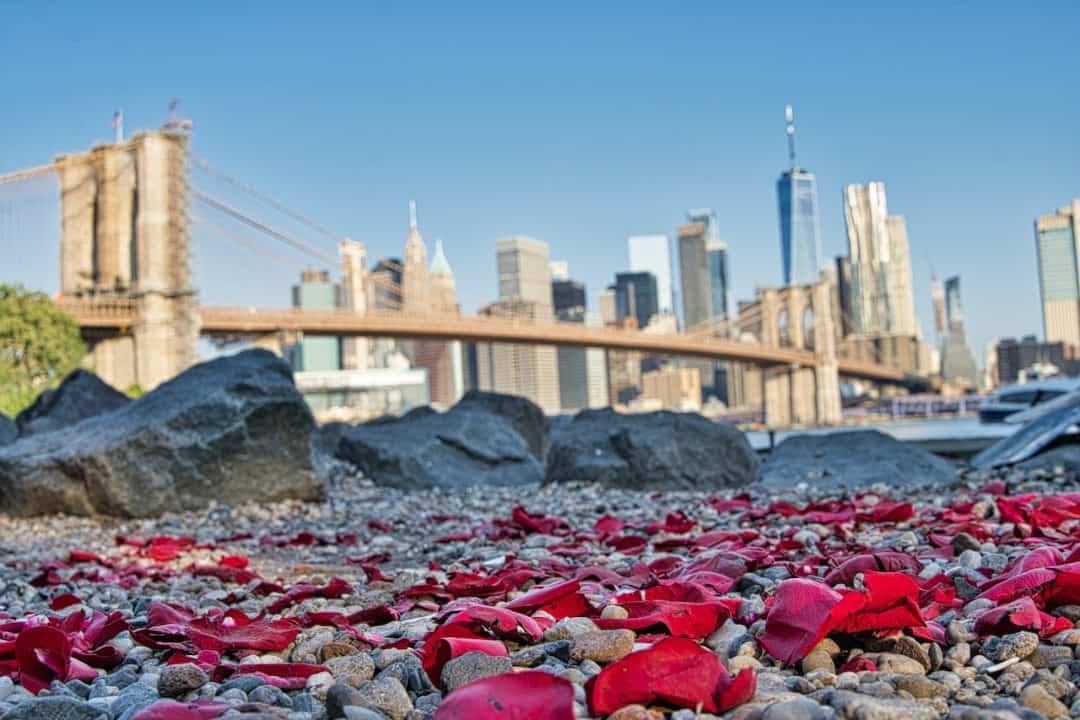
{"x": 576, "y": 125}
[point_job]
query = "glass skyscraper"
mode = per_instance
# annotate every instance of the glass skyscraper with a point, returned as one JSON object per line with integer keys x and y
{"x": 800, "y": 230}
{"x": 716, "y": 255}
{"x": 650, "y": 253}
{"x": 1057, "y": 238}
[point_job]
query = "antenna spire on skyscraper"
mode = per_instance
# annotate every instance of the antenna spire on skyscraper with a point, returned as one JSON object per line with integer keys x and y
{"x": 412, "y": 215}
{"x": 789, "y": 118}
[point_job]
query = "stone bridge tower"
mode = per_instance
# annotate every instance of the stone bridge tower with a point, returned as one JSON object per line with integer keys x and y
{"x": 801, "y": 317}
{"x": 124, "y": 236}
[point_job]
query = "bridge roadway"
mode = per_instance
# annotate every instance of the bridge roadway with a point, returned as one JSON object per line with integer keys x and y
{"x": 118, "y": 316}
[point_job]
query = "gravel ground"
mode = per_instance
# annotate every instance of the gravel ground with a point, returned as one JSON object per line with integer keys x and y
{"x": 384, "y": 543}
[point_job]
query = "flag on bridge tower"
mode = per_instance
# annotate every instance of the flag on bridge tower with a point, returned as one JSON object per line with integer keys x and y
{"x": 118, "y": 126}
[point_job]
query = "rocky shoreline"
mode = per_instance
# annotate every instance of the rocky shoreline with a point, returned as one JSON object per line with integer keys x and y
{"x": 901, "y": 588}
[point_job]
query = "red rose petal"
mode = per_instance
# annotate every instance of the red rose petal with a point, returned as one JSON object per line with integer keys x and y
{"x": 529, "y": 695}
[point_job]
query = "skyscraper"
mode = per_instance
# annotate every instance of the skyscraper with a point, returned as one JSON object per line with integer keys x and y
{"x": 694, "y": 275}
{"x": 636, "y": 296}
{"x": 937, "y": 299}
{"x": 354, "y": 350}
{"x": 414, "y": 280}
{"x": 957, "y": 362}
{"x": 316, "y": 291}
{"x": 716, "y": 255}
{"x": 568, "y": 298}
{"x": 650, "y": 253}
{"x": 525, "y": 292}
{"x": 444, "y": 361}
{"x": 800, "y": 229}
{"x": 1057, "y": 242}
{"x": 881, "y": 295}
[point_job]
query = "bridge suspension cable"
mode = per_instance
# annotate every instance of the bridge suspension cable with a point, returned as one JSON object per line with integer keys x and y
{"x": 249, "y": 243}
{"x": 262, "y": 197}
{"x": 26, "y": 174}
{"x": 294, "y": 242}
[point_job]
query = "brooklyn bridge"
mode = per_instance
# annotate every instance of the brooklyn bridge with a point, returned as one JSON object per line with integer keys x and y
{"x": 125, "y": 275}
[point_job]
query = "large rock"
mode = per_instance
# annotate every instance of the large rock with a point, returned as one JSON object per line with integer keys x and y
{"x": 8, "y": 430}
{"x": 467, "y": 445}
{"x": 231, "y": 430}
{"x": 80, "y": 396}
{"x": 853, "y": 459}
{"x": 660, "y": 450}
{"x": 524, "y": 415}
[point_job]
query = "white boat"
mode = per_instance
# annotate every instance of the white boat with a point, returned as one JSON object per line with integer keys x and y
{"x": 1019, "y": 398}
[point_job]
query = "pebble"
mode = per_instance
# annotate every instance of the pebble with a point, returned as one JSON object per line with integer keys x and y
{"x": 352, "y": 669}
{"x": 1050, "y": 656}
{"x": 635, "y": 712}
{"x": 1038, "y": 699}
{"x": 919, "y": 686}
{"x": 1016, "y": 645}
{"x": 472, "y": 666}
{"x": 602, "y": 646}
{"x": 176, "y": 680}
{"x": 797, "y": 709}
{"x": 569, "y": 628}
{"x": 614, "y": 612}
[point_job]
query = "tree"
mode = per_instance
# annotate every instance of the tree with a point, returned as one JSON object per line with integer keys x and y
{"x": 39, "y": 345}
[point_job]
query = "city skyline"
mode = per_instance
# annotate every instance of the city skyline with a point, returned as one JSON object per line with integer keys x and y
{"x": 623, "y": 164}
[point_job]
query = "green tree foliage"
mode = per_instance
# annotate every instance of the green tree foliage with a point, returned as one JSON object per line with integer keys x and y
{"x": 39, "y": 345}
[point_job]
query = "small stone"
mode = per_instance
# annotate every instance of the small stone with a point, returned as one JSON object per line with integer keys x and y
{"x": 386, "y": 695}
{"x": 354, "y": 712}
{"x": 614, "y": 612}
{"x": 958, "y": 631}
{"x": 569, "y": 628}
{"x": 797, "y": 709}
{"x": 534, "y": 655}
{"x": 338, "y": 697}
{"x": 1035, "y": 697}
{"x": 741, "y": 662}
{"x": 635, "y": 712}
{"x": 896, "y": 663}
{"x": 335, "y": 649}
{"x": 603, "y": 646}
{"x": 970, "y": 559}
{"x": 1016, "y": 645}
{"x": 818, "y": 660}
{"x": 920, "y": 687}
{"x": 1050, "y": 656}
{"x": 58, "y": 707}
{"x": 472, "y": 666}
{"x": 958, "y": 655}
{"x": 175, "y": 680}
{"x": 270, "y": 695}
{"x": 357, "y": 667}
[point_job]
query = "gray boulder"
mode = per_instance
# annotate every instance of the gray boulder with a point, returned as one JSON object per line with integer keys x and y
{"x": 467, "y": 445}
{"x": 233, "y": 429}
{"x": 8, "y": 430}
{"x": 81, "y": 395}
{"x": 660, "y": 450}
{"x": 854, "y": 459}
{"x": 523, "y": 414}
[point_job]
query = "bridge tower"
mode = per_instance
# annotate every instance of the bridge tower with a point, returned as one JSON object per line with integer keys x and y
{"x": 124, "y": 235}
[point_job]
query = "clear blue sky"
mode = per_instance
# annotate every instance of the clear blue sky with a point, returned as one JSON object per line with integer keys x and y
{"x": 576, "y": 125}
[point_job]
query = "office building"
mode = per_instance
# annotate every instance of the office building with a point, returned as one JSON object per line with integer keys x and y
{"x": 650, "y": 253}
{"x": 414, "y": 272}
{"x": 524, "y": 292}
{"x": 1015, "y": 357}
{"x": 716, "y": 256}
{"x": 560, "y": 270}
{"x": 937, "y": 300}
{"x": 673, "y": 388}
{"x": 694, "y": 275}
{"x": 316, "y": 291}
{"x": 636, "y": 296}
{"x": 1057, "y": 238}
{"x": 846, "y": 324}
{"x": 443, "y": 360}
{"x": 957, "y": 361}
{"x": 568, "y": 299}
{"x": 355, "y": 351}
{"x": 800, "y": 228}
{"x": 881, "y": 293}
{"x": 606, "y": 308}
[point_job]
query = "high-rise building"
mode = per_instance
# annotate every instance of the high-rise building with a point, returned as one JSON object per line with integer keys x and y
{"x": 694, "y": 275}
{"x": 568, "y": 298}
{"x": 957, "y": 362}
{"x": 881, "y": 292}
{"x": 560, "y": 270}
{"x": 1013, "y": 357}
{"x": 636, "y": 296}
{"x": 444, "y": 361}
{"x": 524, "y": 292}
{"x": 605, "y": 304}
{"x": 316, "y": 291}
{"x": 414, "y": 280}
{"x": 354, "y": 297}
{"x": 937, "y": 299}
{"x": 650, "y": 253}
{"x": 1057, "y": 242}
{"x": 716, "y": 256}
{"x": 800, "y": 229}
{"x": 843, "y": 291}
